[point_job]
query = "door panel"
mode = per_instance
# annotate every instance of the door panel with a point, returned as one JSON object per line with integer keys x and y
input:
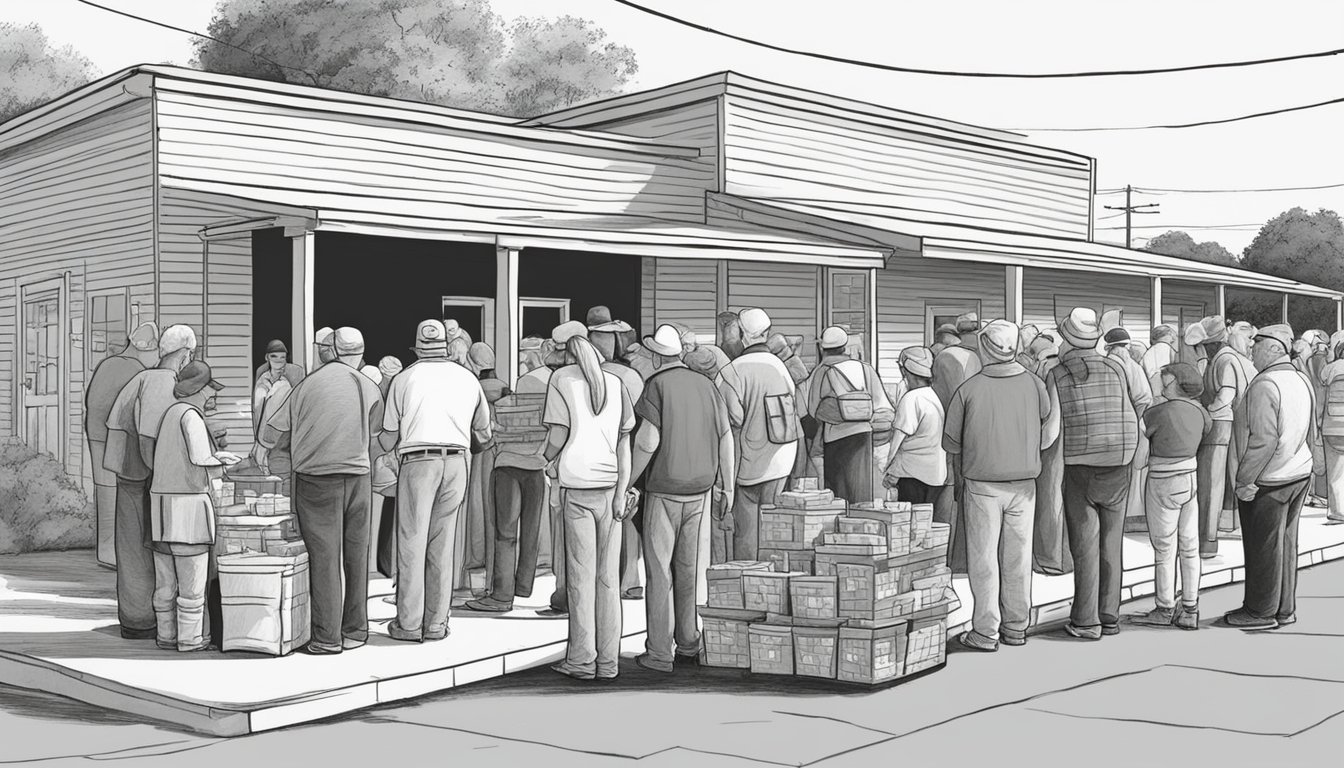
{"x": 43, "y": 371}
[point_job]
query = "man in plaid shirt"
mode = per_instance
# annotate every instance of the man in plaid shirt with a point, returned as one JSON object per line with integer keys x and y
{"x": 1090, "y": 395}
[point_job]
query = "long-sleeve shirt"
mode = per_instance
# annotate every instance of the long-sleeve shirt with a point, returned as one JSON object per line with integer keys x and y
{"x": 111, "y": 375}
{"x": 996, "y": 423}
{"x": 1279, "y": 409}
{"x": 1140, "y": 391}
{"x": 333, "y": 418}
{"x": 952, "y": 367}
{"x": 1158, "y": 356}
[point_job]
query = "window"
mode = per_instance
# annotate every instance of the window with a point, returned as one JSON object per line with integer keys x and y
{"x": 474, "y": 314}
{"x": 540, "y": 316}
{"x": 936, "y": 315}
{"x": 109, "y": 324}
{"x": 848, "y": 307}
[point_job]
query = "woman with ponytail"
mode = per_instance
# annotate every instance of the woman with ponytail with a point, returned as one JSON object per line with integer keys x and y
{"x": 590, "y": 418}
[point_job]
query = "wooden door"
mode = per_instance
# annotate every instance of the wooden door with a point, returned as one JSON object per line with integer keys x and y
{"x": 44, "y": 368}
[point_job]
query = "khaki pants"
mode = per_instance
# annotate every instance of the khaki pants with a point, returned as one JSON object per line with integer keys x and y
{"x": 1334, "y": 474}
{"x": 430, "y": 491}
{"x": 593, "y": 554}
{"x": 999, "y": 521}
{"x": 179, "y": 600}
{"x": 1172, "y": 504}
{"x": 747, "y": 516}
{"x": 672, "y": 537}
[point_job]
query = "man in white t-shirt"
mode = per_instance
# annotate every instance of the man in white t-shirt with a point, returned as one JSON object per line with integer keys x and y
{"x": 918, "y": 466}
{"x": 434, "y": 410}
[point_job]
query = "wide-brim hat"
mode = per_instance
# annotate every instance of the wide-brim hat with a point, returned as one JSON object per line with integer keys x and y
{"x": 664, "y": 341}
{"x": 1080, "y": 328}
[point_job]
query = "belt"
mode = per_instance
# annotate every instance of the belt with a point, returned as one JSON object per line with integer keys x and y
{"x": 419, "y": 452}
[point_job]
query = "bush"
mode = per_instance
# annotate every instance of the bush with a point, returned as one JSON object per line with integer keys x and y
{"x": 41, "y": 507}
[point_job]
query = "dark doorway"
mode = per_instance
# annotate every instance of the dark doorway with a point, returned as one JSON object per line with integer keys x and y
{"x": 586, "y": 279}
{"x": 540, "y": 321}
{"x": 272, "y": 291}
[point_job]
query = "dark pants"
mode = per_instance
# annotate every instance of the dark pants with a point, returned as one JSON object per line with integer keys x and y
{"x": 1212, "y": 484}
{"x": 520, "y": 501}
{"x": 847, "y": 464}
{"x": 333, "y": 515}
{"x": 1094, "y": 513}
{"x": 135, "y": 560}
{"x": 1269, "y": 536}
{"x": 387, "y": 538}
{"x": 911, "y": 490}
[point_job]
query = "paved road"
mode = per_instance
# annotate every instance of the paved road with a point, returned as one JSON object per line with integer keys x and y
{"x": 1146, "y": 697}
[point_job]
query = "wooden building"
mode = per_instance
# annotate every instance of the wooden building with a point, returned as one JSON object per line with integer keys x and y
{"x": 254, "y": 210}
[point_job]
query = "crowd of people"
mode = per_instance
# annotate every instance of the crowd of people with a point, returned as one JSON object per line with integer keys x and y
{"x": 1034, "y": 446}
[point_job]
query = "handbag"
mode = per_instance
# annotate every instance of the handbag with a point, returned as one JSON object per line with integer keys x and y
{"x": 781, "y": 419}
{"x": 853, "y": 404}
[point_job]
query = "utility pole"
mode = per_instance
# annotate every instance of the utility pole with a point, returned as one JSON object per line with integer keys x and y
{"x": 1130, "y": 210}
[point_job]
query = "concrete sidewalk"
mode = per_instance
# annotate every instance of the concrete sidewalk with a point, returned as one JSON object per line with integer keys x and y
{"x": 58, "y": 633}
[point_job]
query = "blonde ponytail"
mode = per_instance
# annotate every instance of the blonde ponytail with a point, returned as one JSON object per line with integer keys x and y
{"x": 590, "y": 364}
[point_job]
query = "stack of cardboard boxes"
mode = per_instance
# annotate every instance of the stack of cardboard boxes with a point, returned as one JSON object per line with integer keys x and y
{"x": 856, "y": 593}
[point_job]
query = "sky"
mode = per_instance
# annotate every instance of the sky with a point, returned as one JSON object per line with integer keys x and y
{"x": 1293, "y": 150}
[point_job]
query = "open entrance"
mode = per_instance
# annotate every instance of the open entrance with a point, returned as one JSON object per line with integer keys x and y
{"x": 557, "y": 286}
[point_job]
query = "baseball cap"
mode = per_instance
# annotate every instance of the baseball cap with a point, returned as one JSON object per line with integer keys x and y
{"x": 145, "y": 338}
{"x": 834, "y": 337}
{"x": 175, "y": 338}
{"x": 194, "y": 377}
{"x": 348, "y": 341}
{"x": 276, "y": 345}
{"x": 431, "y": 334}
{"x": 754, "y": 321}
{"x": 566, "y": 331}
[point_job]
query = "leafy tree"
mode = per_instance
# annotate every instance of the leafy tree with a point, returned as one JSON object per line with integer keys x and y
{"x": 457, "y": 53}
{"x": 34, "y": 70}
{"x": 1309, "y": 248}
{"x": 1182, "y": 245}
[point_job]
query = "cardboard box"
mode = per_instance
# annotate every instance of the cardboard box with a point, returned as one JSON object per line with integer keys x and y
{"x": 792, "y": 528}
{"x": 724, "y": 582}
{"x": 725, "y": 639}
{"x": 871, "y": 656}
{"x": 795, "y": 560}
{"x": 873, "y": 592}
{"x": 814, "y": 597}
{"x": 766, "y": 591}
{"x": 815, "y": 650}
{"x": 805, "y": 499}
{"x": 927, "y": 647}
{"x": 771, "y": 649}
{"x": 855, "y": 539}
{"x": 265, "y": 603}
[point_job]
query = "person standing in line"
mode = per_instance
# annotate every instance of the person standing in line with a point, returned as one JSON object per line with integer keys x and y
{"x": 132, "y": 429}
{"x": 1313, "y": 363}
{"x": 1161, "y": 353}
{"x": 109, "y": 377}
{"x": 918, "y": 465}
{"x": 1090, "y": 393}
{"x": 1193, "y": 351}
{"x": 1240, "y": 338}
{"x": 1223, "y": 387}
{"x": 590, "y": 418}
{"x": 182, "y": 513}
{"x": 383, "y": 477}
{"x": 685, "y": 443}
{"x": 277, "y": 366}
{"x": 996, "y": 426}
{"x": 690, "y": 343}
{"x": 951, "y": 368}
{"x": 1332, "y": 429}
{"x": 1272, "y": 481}
{"x": 1175, "y": 427}
{"x": 730, "y": 334}
{"x": 846, "y": 397}
{"x": 759, "y": 394}
{"x": 538, "y": 382}
{"x": 1050, "y": 553}
{"x": 1118, "y": 342}
{"x": 333, "y": 419}
{"x": 945, "y": 336}
{"x": 476, "y": 528}
{"x": 780, "y": 347}
{"x": 435, "y": 412}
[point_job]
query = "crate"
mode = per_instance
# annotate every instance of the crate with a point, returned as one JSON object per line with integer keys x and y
{"x": 818, "y": 499}
{"x": 787, "y": 528}
{"x": 813, "y": 597}
{"x": 895, "y": 524}
{"x": 252, "y": 533}
{"x": 927, "y": 647}
{"x": 855, "y": 539}
{"x": 254, "y": 485}
{"x": 814, "y": 651}
{"x": 265, "y": 603}
{"x": 725, "y": 640}
{"x": 940, "y": 535}
{"x": 872, "y": 656}
{"x": 771, "y": 649}
{"x": 797, "y": 560}
{"x": 922, "y": 520}
{"x": 766, "y": 591}
{"x": 724, "y": 582}
{"x": 931, "y": 587}
{"x": 873, "y": 592}
{"x": 519, "y": 412}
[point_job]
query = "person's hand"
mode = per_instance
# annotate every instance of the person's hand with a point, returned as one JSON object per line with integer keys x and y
{"x": 261, "y": 455}
{"x": 728, "y": 496}
{"x": 1247, "y": 492}
{"x": 888, "y": 481}
{"x": 553, "y": 470}
{"x": 226, "y": 458}
{"x": 726, "y": 523}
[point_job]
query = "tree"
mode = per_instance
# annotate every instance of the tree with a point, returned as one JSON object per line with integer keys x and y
{"x": 457, "y": 53}
{"x": 1181, "y": 245}
{"x": 1309, "y": 248}
{"x": 36, "y": 71}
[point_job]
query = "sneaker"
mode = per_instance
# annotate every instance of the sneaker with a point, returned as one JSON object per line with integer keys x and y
{"x": 1083, "y": 633}
{"x": 1187, "y": 618}
{"x": 574, "y": 672}
{"x": 1286, "y": 620}
{"x": 350, "y": 643}
{"x": 977, "y": 642}
{"x": 1008, "y": 638}
{"x": 313, "y": 649}
{"x": 488, "y": 605}
{"x": 648, "y": 662}
{"x": 1110, "y": 629}
{"x": 395, "y": 632}
{"x": 1158, "y": 617}
{"x": 1243, "y": 620}
{"x": 432, "y": 635}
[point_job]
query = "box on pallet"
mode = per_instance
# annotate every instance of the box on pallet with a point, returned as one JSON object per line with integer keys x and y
{"x": 252, "y": 533}
{"x": 265, "y": 602}
{"x": 766, "y": 591}
{"x": 771, "y": 649}
{"x": 873, "y": 591}
{"x": 894, "y": 524}
{"x": 796, "y": 560}
{"x": 927, "y": 647}
{"x": 724, "y": 638}
{"x": 932, "y": 586}
{"x": 271, "y": 504}
{"x": 940, "y": 535}
{"x": 815, "y": 499}
{"x": 921, "y": 520}
{"x": 871, "y": 656}
{"x": 813, "y": 597}
{"x": 792, "y": 528}
{"x": 814, "y": 651}
{"x": 724, "y": 582}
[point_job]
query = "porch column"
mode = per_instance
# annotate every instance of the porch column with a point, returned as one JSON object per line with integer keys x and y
{"x": 1012, "y": 294}
{"x": 301, "y": 306}
{"x": 1156, "y": 308}
{"x": 1221, "y": 301}
{"x": 1284, "y": 315}
{"x": 871, "y": 314}
{"x": 507, "y": 321}
{"x": 1339, "y": 314}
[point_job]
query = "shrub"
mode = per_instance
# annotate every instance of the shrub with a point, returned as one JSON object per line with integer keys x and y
{"x": 41, "y": 507}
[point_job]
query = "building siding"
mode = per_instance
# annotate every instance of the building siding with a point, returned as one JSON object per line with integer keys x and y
{"x": 910, "y": 286}
{"x": 1194, "y": 300}
{"x": 1050, "y": 294}
{"x": 787, "y": 293}
{"x": 690, "y": 125}
{"x": 683, "y": 291}
{"x": 78, "y": 205}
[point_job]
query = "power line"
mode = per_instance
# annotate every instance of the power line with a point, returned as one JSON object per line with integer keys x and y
{"x": 1191, "y": 226}
{"x": 950, "y": 73}
{"x": 1129, "y": 209}
{"x": 1198, "y": 124}
{"x": 268, "y": 60}
{"x": 1156, "y": 190}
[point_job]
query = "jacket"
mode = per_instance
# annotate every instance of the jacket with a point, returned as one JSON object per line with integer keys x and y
{"x": 1280, "y": 406}
{"x": 1098, "y": 422}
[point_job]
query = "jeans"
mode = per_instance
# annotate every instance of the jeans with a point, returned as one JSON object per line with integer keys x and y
{"x": 1212, "y": 481}
{"x": 520, "y": 497}
{"x": 999, "y": 521}
{"x": 1334, "y": 474}
{"x": 1172, "y": 506}
{"x": 333, "y": 513}
{"x": 179, "y": 600}
{"x": 592, "y": 555}
{"x": 1269, "y": 536}
{"x": 672, "y": 531}
{"x": 556, "y": 506}
{"x": 847, "y": 464}
{"x": 747, "y": 516}
{"x": 1094, "y": 514}
{"x": 135, "y": 560}
{"x": 430, "y": 490}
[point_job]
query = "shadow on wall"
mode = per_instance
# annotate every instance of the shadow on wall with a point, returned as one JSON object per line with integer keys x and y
{"x": 41, "y": 507}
